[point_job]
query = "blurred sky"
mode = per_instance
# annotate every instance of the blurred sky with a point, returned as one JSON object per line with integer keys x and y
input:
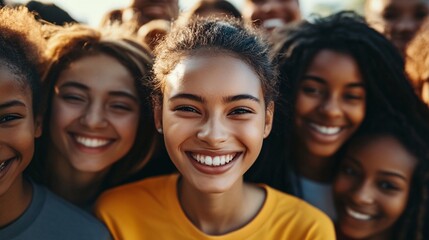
{"x": 90, "y": 12}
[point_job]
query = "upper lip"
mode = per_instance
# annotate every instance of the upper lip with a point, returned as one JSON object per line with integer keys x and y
{"x": 212, "y": 153}
{"x": 91, "y": 136}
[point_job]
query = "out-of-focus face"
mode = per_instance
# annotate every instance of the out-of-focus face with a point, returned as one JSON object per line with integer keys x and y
{"x": 95, "y": 114}
{"x": 330, "y": 103}
{"x": 17, "y": 130}
{"x": 372, "y": 187}
{"x": 398, "y": 20}
{"x": 147, "y": 10}
{"x": 214, "y": 120}
{"x": 270, "y": 14}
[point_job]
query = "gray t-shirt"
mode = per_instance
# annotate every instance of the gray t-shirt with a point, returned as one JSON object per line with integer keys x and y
{"x": 50, "y": 217}
{"x": 319, "y": 195}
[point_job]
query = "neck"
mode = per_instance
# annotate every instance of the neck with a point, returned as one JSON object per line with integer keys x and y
{"x": 220, "y": 213}
{"x": 78, "y": 187}
{"x": 15, "y": 201}
{"x": 316, "y": 168}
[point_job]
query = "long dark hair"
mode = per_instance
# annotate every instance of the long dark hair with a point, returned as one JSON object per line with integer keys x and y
{"x": 381, "y": 66}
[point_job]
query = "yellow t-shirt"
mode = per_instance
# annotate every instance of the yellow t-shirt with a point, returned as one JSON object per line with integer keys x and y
{"x": 150, "y": 209}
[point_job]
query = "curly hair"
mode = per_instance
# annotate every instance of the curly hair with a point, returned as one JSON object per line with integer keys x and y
{"x": 214, "y": 36}
{"x": 22, "y": 45}
{"x": 71, "y": 43}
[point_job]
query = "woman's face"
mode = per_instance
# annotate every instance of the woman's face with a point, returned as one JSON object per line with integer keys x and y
{"x": 214, "y": 119}
{"x": 270, "y": 14}
{"x": 372, "y": 187}
{"x": 17, "y": 129}
{"x": 330, "y": 103}
{"x": 95, "y": 114}
{"x": 398, "y": 20}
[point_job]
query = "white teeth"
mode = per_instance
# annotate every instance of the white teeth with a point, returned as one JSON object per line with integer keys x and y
{"x": 91, "y": 142}
{"x": 325, "y": 130}
{"x": 273, "y": 23}
{"x": 213, "y": 161}
{"x": 357, "y": 215}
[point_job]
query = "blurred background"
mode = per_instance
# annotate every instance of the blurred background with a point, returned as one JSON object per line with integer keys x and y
{"x": 91, "y": 12}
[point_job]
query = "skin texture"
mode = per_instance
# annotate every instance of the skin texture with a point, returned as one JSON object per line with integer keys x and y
{"x": 214, "y": 106}
{"x": 18, "y": 129}
{"x": 92, "y": 126}
{"x": 259, "y": 11}
{"x": 374, "y": 180}
{"x": 398, "y": 20}
{"x": 331, "y": 97}
{"x": 106, "y": 112}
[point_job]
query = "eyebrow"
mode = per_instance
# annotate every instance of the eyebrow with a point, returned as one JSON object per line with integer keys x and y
{"x": 323, "y": 81}
{"x": 393, "y": 174}
{"x": 228, "y": 99}
{"x": 241, "y": 97}
{"x": 12, "y": 103}
{"x": 111, "y": 93}
{"x": 188, "y": 96}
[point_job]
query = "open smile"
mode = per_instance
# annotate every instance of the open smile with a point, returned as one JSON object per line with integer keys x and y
{"x": 91, "y": 142}
{"x": 325, "y": 130}
{"x": 358, "y": 215}
{"x": 218, "y": 160}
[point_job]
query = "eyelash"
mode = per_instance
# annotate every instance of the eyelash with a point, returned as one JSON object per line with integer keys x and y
{"x": 8, "y": 118}
{"x": 240, "y": 111}
{"x": 186, "y": 108}
{"x": 69, "y": 97}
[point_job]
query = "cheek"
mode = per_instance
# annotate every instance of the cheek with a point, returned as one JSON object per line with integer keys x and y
{"x": 62, "y": 115}
{"x": 22, "y": 140}
{"x": 395, "y": 206}
{"x": 126, "y": 127}
{"x": 305, "y": 105}
{"x": 357, "y": 113}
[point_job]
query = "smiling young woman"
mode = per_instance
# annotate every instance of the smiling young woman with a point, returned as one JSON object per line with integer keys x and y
{"x": 338, "y": 74}
{"x": 98, "y": 129}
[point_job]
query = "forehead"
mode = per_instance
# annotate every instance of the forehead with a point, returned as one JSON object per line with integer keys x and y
{"x": 382, "y": 153}
{"x": 213, "y": 73}
{"x": 12, "y": 87}
{"x": 99, "y": 72}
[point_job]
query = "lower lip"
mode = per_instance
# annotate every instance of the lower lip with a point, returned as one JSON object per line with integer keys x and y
{"x": 213, "y": 170}
{"x": 5, "y": 170}
{"x": 91, "y": 150}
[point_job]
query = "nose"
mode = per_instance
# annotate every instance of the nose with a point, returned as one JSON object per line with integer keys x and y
{"x": 331, "y": 107}
{"x": 213, "y": 132}
{"x": 93, "y": 116}
{"x": 363, "y": 194}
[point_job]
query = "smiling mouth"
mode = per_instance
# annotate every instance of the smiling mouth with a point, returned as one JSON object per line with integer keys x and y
{"x": 91, "y": 142}
{"x": 325, "y": 130}
{"x": 358, "y": 215}
{"x": 273, "y": 23}
{"x": 219, "y": 160}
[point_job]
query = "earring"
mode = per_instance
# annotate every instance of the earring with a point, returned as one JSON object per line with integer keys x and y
{"x": 159, "y": 130}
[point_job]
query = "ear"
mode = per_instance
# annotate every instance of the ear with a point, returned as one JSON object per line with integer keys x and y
{"x": 269, "y": 116}
{"x": 38, "y": 126}
{"x": 157, "y": 115}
